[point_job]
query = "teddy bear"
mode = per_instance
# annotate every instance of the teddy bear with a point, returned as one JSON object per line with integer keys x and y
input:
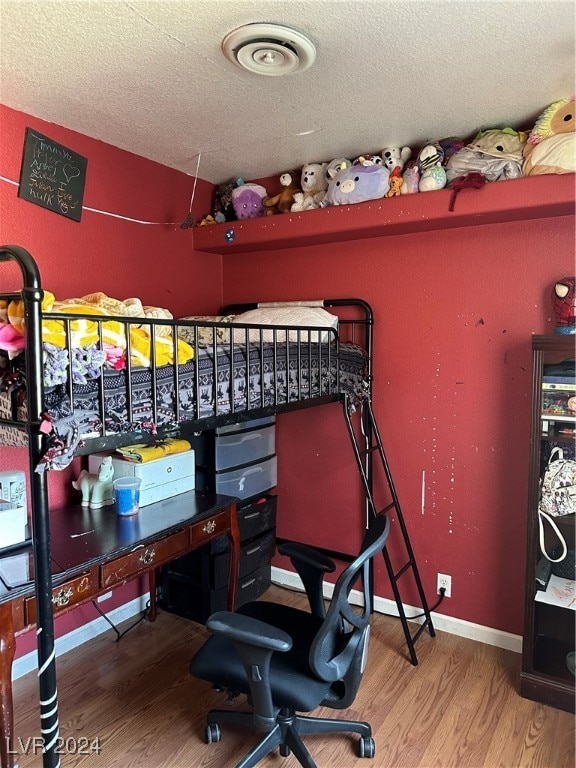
{"x": 282, "y": 202}
{"x": 313, "y": 184}
{"x": 393, "y": 157}
{"x": 395, "y": 181}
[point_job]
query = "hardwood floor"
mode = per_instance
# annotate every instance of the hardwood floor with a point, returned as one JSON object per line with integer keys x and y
{"x": 459, "y": 707}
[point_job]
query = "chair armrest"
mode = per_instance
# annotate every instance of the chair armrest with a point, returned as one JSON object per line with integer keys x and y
{"x": 255, "y": 642}
{"x": 245, "y": 629}
{"x": 308, "y": 555}
{"x": 311, "y": 566}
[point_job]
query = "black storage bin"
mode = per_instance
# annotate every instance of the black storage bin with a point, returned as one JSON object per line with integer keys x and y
{"x": 194, "y": 584}
{"x": 194, "y": 600}
{"x": 253, "y": 555}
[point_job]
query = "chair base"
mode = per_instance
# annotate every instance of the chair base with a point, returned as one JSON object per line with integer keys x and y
{"x": 287, "y": 733}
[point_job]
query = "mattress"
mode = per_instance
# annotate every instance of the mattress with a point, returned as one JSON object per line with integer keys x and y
{"x": 270, "y": 375}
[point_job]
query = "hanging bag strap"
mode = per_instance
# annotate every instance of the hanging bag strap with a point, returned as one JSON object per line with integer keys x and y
{"x": 543, "y": 516}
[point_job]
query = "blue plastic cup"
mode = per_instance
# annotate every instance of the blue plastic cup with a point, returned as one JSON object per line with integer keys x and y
{"x": 127, "y": 495}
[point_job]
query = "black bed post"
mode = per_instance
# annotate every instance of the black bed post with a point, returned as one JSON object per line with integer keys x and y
{"x": 32, "y": 295}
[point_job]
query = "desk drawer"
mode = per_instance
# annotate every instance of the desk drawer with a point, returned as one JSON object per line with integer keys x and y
{"x": 63, "y": 596}
{"x": 208, "y": 528}
{"x": 143, "y": 559}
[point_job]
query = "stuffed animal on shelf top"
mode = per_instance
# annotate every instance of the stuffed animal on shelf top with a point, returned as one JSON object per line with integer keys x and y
{"x": 336, "y": 165}
{"x": 395, "y": 157}
{"x": 495, "y": 153}
{"x": 432, "y": 173}
{"x": 247, "y": 201}
{"x": 410, "y": 179}
{"x": 395, "y": 181}
{"x": 368, "y": 160}
{"x": 223, "y": 206}
{"x": 357, "y": 184}
{"x": 282, "y": 202}
{"x": 551, "y": 146}
{"x": 313, "y": 185}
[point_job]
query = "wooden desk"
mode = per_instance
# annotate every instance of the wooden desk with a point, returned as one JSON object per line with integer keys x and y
{"x": 94, "y": 551}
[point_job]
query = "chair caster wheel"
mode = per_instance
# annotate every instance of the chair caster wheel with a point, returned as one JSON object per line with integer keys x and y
{"x": 366, "y": 747}
{"x": 212, "y": 733}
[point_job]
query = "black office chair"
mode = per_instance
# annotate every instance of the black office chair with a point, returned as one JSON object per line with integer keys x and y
{"x": 288, "y": 660}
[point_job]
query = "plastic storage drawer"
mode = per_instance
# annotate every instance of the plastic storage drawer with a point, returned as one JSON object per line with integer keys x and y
{"x": 237, "y": 448}
{"x": 251, "y": 480}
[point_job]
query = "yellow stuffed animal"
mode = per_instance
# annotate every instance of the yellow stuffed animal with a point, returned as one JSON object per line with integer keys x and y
{"x": 551, "y": 146}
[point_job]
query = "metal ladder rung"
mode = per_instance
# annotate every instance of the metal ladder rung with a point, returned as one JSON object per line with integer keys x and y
{"x": 370, "y": 433}
{"x": 367, "y": 451}
{"x": 404, "y": 568}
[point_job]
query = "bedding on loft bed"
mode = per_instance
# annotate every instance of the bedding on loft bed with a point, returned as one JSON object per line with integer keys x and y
{"x": 125, "y": 371}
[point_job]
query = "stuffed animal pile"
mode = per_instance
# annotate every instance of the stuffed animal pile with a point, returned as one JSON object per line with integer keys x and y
{"x": 494, "y": 154}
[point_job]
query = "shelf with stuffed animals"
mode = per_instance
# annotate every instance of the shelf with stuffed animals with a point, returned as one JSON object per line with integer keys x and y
{"x": 502, "y": 175}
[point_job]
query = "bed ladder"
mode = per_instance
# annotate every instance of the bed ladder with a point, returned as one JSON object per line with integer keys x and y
{"x": 366, "y": 448}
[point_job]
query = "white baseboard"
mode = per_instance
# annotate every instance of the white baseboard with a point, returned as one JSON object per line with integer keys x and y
{"x": 444, "y": 623}
{"x": 82, "y": 634}
{"x": 283, "y": 578}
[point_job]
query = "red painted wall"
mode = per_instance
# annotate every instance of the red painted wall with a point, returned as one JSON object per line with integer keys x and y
{"x": 154, "y": 262}
{"x": 454, "y": 312}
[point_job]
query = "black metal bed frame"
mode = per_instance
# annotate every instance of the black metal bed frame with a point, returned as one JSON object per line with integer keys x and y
{"x": 359, "y": 324}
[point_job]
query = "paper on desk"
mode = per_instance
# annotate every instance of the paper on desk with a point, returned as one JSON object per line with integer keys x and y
{"x": 560, "y": 592}
{"x": 15, "y": 570}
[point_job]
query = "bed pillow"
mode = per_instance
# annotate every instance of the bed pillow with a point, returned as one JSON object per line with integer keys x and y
{"x": 205, "y": 332}
{"x": 287, "y": 316}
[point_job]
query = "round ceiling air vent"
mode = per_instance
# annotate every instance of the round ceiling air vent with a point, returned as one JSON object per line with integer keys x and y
{"x": 269, "y": 49}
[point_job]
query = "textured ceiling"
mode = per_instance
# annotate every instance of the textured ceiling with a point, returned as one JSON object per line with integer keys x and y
{"x": 149, "y": 75}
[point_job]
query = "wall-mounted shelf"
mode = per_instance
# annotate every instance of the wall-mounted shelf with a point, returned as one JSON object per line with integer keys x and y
{"x": 522, "y": 199}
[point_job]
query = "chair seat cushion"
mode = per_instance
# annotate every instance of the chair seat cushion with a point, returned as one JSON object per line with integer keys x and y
{"x": 293, "y": 683}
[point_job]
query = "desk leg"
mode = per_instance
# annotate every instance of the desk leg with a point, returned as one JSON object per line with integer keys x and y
{"x": 7, "y": 652}
{"x": 153, "y": 583}
{"x": 234, "y": 537}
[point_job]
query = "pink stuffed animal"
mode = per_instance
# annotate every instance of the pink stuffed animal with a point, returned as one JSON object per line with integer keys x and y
{"x": 11, "y": 340}
{"x": 410, "y": 180}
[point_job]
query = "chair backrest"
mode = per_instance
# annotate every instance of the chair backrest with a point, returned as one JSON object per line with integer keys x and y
{"x": 339, "y": 648}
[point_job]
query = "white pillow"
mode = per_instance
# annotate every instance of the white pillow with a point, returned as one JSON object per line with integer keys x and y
{"x": 290, "y": 316}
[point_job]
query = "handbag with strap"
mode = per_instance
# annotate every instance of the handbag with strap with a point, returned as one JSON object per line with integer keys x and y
{"x": 557, "y": 498}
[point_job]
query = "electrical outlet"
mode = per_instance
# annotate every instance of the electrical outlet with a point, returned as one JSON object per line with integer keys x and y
{"x": 445, "y": 582}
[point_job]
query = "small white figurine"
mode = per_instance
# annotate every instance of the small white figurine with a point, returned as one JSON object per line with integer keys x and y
{"x": 97, "y": 490}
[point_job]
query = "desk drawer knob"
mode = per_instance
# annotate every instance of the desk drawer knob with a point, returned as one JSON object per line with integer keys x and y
{"x": 210, "y": 526}
{"x": 63, "y": 597}
{"x": 147, "y": 557}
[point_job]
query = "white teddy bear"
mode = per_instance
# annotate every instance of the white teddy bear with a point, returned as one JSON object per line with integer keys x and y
{"x": 393, "y": 157}
{"x": 314, "y": 185}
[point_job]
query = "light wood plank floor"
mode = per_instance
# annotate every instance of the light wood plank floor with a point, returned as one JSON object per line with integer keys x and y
{"x": 459, "y": 707}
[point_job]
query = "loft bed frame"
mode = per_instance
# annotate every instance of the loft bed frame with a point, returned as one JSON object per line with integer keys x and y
{"x": 300, "y": 390}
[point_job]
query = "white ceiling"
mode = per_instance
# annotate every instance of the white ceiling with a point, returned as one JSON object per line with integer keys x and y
{"x": 149, "y": 75}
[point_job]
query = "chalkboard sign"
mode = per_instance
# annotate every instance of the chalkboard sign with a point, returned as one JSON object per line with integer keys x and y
{"x": 52, "y": 176}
